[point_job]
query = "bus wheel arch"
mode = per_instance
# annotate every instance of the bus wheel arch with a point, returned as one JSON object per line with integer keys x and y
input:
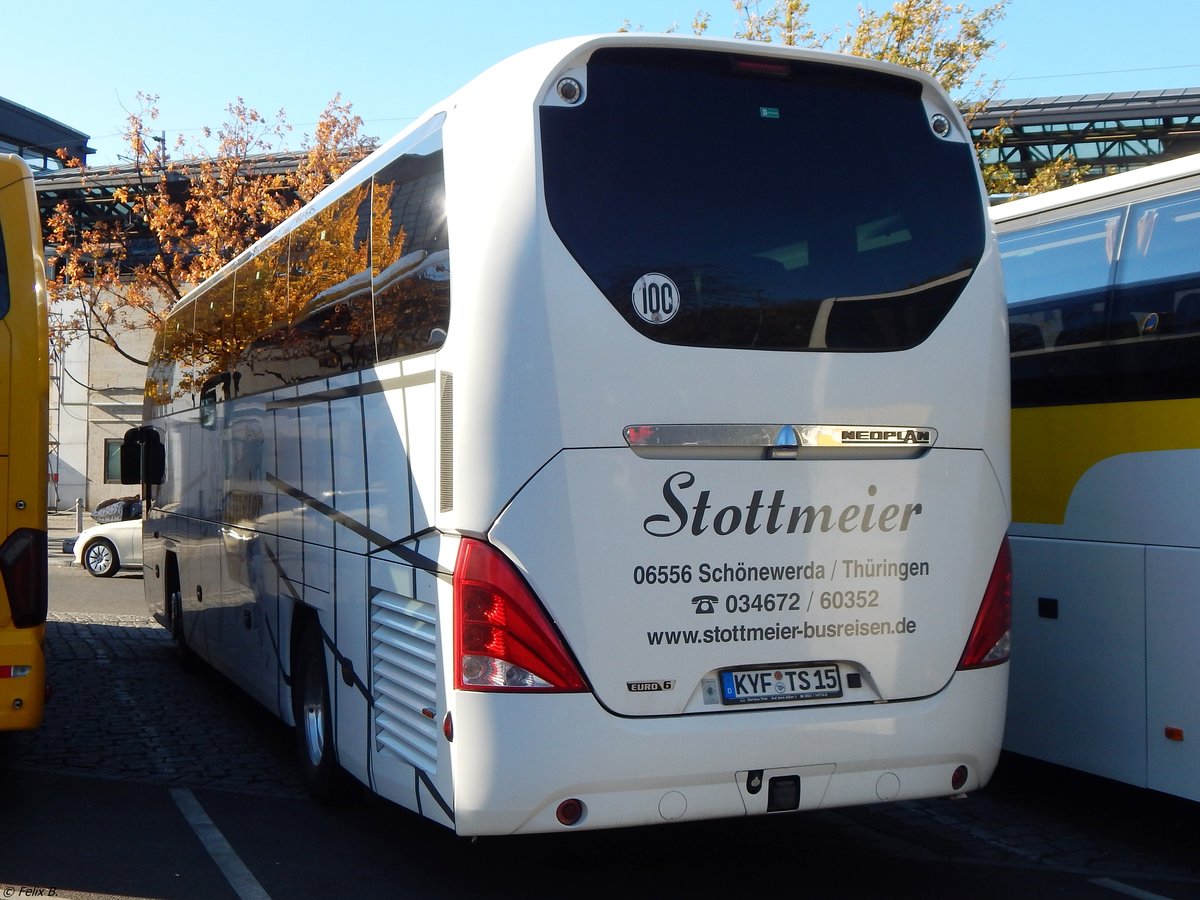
{"x": 312, "y": 710}
{"x": 173, "y": 611}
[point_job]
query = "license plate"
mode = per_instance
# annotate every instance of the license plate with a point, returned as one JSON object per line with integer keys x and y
{"x": 772, "y": 685}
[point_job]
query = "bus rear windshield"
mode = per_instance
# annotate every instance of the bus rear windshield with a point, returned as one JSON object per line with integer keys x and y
{"x": 808, "y": 208}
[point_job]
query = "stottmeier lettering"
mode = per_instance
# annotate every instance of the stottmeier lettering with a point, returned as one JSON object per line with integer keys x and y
{"x": 696, "y": 513}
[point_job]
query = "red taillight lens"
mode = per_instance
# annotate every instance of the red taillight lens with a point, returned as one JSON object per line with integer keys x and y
{"x": 989, "y": 642}
{"x": 503, "y": 638}
{"x": 23, "y": 567}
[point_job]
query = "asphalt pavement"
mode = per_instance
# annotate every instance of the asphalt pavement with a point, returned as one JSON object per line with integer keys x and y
{"x": 126, "y": 721}
{"x": 75, "y": 592}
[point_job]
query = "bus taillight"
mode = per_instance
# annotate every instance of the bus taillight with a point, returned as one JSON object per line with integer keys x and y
{"x": 23, "y": 567}
{"x": 990, "y": 639}
{"x": 503, "y": 638}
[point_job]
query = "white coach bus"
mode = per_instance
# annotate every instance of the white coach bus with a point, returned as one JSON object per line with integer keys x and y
{"x": 1103, "y": 285}
{"x": 620, "y": 444}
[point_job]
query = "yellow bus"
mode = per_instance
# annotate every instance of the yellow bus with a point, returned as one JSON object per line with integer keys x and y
{"x": 24, "y": 389}
{"x": 1103, "y": 284}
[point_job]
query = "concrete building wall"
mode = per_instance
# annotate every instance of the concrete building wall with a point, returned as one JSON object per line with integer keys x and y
{"x": 68, "y": 427}
{"x": 95, "y": 397}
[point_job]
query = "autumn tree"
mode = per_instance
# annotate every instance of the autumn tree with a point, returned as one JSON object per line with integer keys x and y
{"x": 186, "y": 212}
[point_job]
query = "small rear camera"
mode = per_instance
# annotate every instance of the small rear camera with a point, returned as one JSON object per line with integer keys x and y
{"x": 570, "y": 91}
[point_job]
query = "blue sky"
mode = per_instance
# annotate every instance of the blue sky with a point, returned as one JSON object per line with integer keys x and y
{"x": 84, "y": 64}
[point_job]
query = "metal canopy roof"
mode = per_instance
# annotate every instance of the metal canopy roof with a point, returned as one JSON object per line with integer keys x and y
{"x": 1107, "y": 133}
{"x": 90, "y": 194}
{"x": 1166, "y": 103}
{"x": 37, "y": 136}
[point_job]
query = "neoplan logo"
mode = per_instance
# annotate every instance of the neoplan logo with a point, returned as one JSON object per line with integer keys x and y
{"x": 886, "y": 436}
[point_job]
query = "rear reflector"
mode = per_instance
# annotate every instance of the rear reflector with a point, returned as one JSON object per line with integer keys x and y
{"x": 570, "y": 812}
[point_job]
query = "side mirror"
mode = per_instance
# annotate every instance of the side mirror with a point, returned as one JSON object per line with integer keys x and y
{"x": 143, "y": 457}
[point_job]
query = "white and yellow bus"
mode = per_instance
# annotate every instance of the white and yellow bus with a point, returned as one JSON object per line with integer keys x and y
{"x": 1103, "y": 284}
{"x": 619, "y": 444}
{"x": 24, "y": 404}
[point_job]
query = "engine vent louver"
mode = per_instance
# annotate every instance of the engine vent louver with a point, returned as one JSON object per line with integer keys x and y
{"x": 403, "y": 677}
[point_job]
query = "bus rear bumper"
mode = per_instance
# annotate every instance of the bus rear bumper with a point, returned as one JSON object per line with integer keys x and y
{"x": 518, "y": 758}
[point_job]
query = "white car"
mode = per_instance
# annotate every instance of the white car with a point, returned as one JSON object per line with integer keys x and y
{"x": 103, "y": 549}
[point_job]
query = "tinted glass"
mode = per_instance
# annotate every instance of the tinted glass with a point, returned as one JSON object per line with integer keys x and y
{"x": 1057, "y": 279}
{"x": 411, "y": 260}
{"x": 364, "y": 279}
{"x": 1067, "y": 268}
{"x": 215, "y": 332}
{"x": 264, "y": 313}
{"x": 169, "y": 376}
{"x": 714, "y": 207}
{"x": 329, "y": 291}
{"x": 1106, "y": 307}
{"x": 1156, "y": 304}
{"x": 1164, "y": 240}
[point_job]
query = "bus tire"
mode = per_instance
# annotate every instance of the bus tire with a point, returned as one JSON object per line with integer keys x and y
{"x": 184, "y": 653}
{"x": 320, "y": 772}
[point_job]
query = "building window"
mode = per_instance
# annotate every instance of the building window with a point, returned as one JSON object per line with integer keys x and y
{"x": 112, "y": 461}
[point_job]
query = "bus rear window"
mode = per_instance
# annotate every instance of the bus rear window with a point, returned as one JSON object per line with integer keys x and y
{"x": 718, "y": 207}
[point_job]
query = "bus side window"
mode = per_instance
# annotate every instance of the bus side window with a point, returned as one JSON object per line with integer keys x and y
{"x": 1058, "y": 280}
{"x": 329, "y": 289}
{"x": 1158, "y": 284}
{"x": 1057, "y": 277}
{"x": 169, "y": 375}
{"x": 1082, "y": 322}
{"x": 1186, "y": 318}
{"x": 1160, "y": 261}
{"x": 214, "y": 340}
{"x": 1024, "y": 336}
{"x": 263, "y": 311}
{"x": 410, "y": 258}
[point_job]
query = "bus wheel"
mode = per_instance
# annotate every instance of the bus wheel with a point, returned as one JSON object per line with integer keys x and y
{"x": 183, "y": 652}
{"x": 325, "y": 780}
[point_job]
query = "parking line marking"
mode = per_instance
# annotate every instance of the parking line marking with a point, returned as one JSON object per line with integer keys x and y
{"x": 239, "y": 877}
{"x": 1126, "y": 889}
